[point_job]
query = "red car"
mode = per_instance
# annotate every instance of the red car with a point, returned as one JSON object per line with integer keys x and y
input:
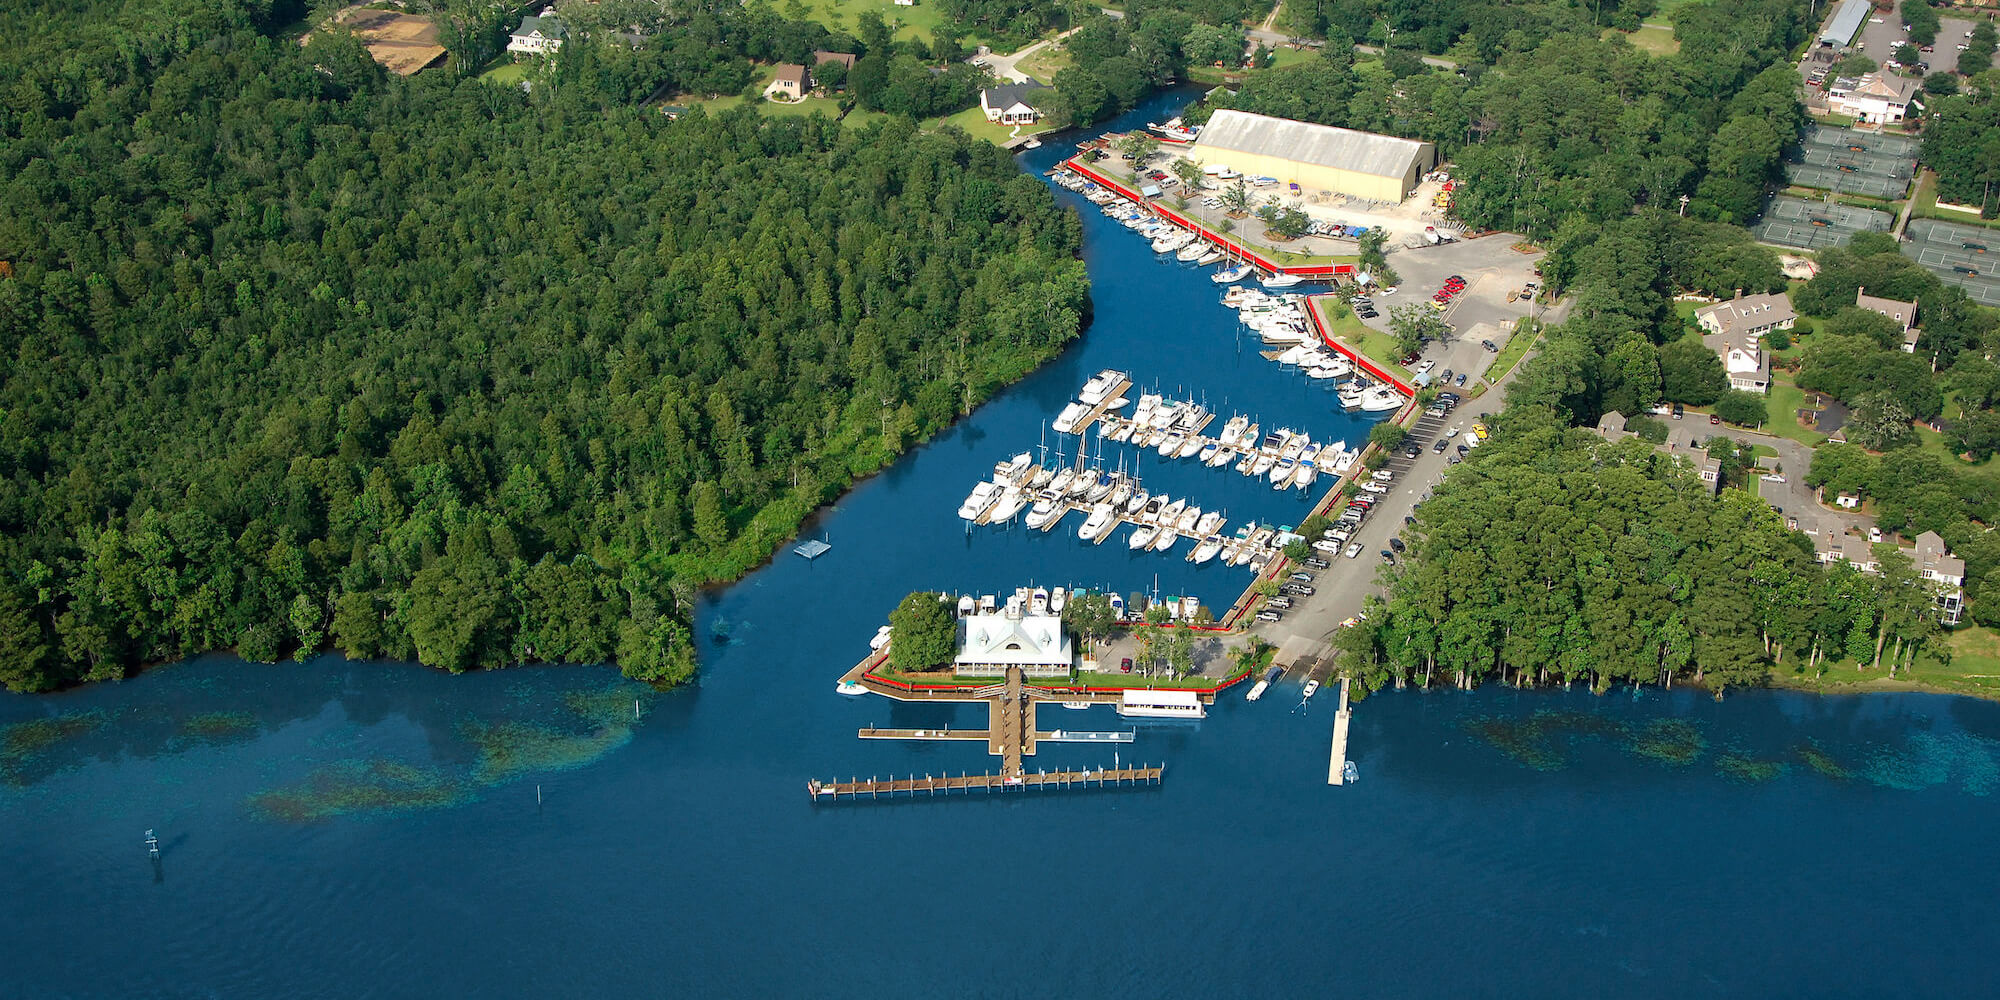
{"x": 1125, "y": 665}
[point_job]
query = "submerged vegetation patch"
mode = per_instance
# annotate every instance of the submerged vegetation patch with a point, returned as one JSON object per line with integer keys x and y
{"x": 1929, "y": 759}
{"x": 1674, "y": 741}
{"x": 217, "y": 728}
{"x": 24, "y": 746}
{"x": 1744, "y": 768}
{"x": 1819, "y": 760}
{"x": 1542, "y": 740}
{"x": 349, "y": 787}
{"x": 507, "y": 750}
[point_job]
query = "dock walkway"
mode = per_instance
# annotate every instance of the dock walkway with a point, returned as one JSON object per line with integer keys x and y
{"x": 873, "y": 788}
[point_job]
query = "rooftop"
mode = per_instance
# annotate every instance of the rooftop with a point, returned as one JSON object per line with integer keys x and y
{"x": 1323, "y": 145}
{"x": 1008, "y": 95}
{"x": 1747, "y": 312}
{"x": 1841, "y": 27}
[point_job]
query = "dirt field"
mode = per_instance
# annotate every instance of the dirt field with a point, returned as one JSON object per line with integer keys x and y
{"x": 402, "y": 43}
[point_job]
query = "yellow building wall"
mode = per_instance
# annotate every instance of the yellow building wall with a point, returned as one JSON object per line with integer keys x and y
{"x": 1311, "y": 177}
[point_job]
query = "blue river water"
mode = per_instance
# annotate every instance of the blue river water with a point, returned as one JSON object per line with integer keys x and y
{"x": 376, "y": 829}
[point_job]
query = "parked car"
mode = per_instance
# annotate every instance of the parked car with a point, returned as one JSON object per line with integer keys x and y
{"x": 1462, "y": 450}
{"x": 1448, "y": 396}
{"x": 1388, "y": 557}
{"x": 1426, "y": 366}
{"x": 1396, "y": 543}
{"x": 1383, "y": 475}
{"x": 1337, "y": 537}
{"x": 1125, "y": 665}
{"x": 1327, "y": 546}
{"x": 1713, "y": 419}
{"x": 1301, "y": 577}
{"x": 1297, "y": 589}
{"x": 1269, "y": 616}
{"x": 1412, "y": 451}
{"x": 1353, "y": 549}
{"x": 1409, "y": 520}
{"x": 1375, "y": 487}
{"x": 1278, "y": 602}
{"x": 1461, "y": 379}
{"x": 1317, "y": 563}
{"x": 1490, "y": 346}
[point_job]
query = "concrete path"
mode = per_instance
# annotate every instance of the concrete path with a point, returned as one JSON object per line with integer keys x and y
{"x": 1004, "y": 67}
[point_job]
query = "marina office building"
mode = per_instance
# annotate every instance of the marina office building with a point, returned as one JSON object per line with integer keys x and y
{"x": 991, "y": 642}
{"x": 1380, "y": 168}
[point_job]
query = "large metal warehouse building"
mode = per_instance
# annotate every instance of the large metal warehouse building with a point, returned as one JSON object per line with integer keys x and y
{"x": 1315, "y": 157}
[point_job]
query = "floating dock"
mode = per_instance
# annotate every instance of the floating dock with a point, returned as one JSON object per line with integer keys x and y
{"x": 1336, "y": 764}
{"x": 874, "y": 788}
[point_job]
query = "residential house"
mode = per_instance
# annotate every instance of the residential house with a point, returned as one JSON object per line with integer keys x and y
{"x": 1679, "y": 444}
{"x": 1878, "y": 98}
{"x": 1904, "y": 313}
{"x": 1009, "y": 104}
{"x": 1736, "y": 331}
{"x": 538, "y": 35}
{"x": 1836, "y": 546}
{"x": 1851, "y": 501}
{"x": 821, "y": 57}
{"x": 1945, "y": 572}
{"x": 790, "y": 84}
{"x": 989, "y": 643}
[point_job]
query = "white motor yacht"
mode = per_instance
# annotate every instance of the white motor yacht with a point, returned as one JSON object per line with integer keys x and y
{"x": 881, "y": 637}
{"x": 1058, "y": 598}
{"x": 1143, "y": 535}
{"x": 1382, "y": 398}
{"x": 1099, "y": 386}
{"x": 1045, "y": 509}
{"x": 1222, "y": 458}
{"x": 1013, "y": 469}
{"x": 1306, "y": 474}
{"x": 1188, "y": 519}
{"x": 1098, "y": 523}
{"x": 1190, "y": 447}
{"x": 1171, "y": 445}
{"x": 1209, "y": 524}
{"x": 1194, "y": 251}
{"x": 1064, "y": 476}
{"x": 1281, "y": 280}
{"x": 1209, "y": 257}
{"x": 1281, "y": 472}
{"x": 1065, "y": 421}
{"x": 1208, "y": 549}
{"x": 1012, "y": 499}
{"x": 1208, "y": 451}
{"x": 1165, "y": 540}
{"x": 981, "y": 498}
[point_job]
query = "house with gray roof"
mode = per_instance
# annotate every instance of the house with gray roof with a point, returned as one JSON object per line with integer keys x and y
{"x": 1011, "y": 104}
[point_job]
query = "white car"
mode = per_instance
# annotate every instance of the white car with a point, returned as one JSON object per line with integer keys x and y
{"x": 1426, "y": 366}
{"x": 1353, "y": 549}
{"x": 1772, "y": 477}
{"x": 1375, "y": 487}
{"x": 1383, "y": 475}
{"x": 1328, "y": 547}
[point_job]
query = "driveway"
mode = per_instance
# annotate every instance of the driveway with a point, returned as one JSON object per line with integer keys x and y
{"x": 1002, "y": 67}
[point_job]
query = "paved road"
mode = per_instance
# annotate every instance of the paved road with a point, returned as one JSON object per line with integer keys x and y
{"x": 1002, "y": 67}
{"x": 1276, "y": 39}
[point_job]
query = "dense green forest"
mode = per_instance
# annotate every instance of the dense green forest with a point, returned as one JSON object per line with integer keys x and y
{"x": 301, "y": 355}
{"x": 1548, "y": 123}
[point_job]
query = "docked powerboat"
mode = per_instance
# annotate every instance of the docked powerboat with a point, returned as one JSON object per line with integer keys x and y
{"x": 1066, "y": 421}
{"x": 1165, "y": 539}
{"x": 1190, "y": 447}
{"x": 1084, "y": 482}
{"x": 1046, "y": 507}
{"x": 981, "y": 498}
{"x": 1306, "y": 474}
{"x": 881, "y": 637}
{"x": 1208, "y": 549}
{"x": 1038, "y": 601}
{"x": 1208, "y": 451}
{"x": 1281, "y": 473}
{"x": 1101, "y": 488}
{"x": 1143, "y": 535}
{"x": 1381, "y": 398}
{"x": 1064, "y": 476}
{"x": 1209, "y": 523}
{"x": 1281, "y": 280}
{"x": 1194, "y": 251}
{"x": 1012, "y": 499}
{"x": 1058, "y": 597}
{"x": 850, "y": 688}
{"x": 1171, "y": 446}
{"x": 1099, "y": 387}
{"x": 1013, "y": 469}
{"x": 1098, "y": 523}
{"x": 1222, "y": 458}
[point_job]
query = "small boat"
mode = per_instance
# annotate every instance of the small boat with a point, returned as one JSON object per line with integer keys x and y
{"x": 1282, "y": 280}
{"x": 1264, "y": 463}
{"x": 1117, "y": 404}
{"x": 1078, "y": 705}
{"x": 1123, "y": 432}
{"x": 1084, "y": 482}
{"x": 1306, "y": 474}
{"x": 1099, "y": 387}
{"x": 1190, "y": 447}
{"x": 1188, "y": 519}
{"x": 881, "y": 637}
{"x": 1222, "y": 458}
{"x": 1101, "y": 489}
{"x": 1143, "y": 535}
{"x": 1058, "y": 598}
{"x": 1038, "y": 601}
{"x": 981, "y": 498}
{"x": 1209, "y": 523}
{"x": 1349, "y": 773}
{"x": 1351, "y": 395}
{"x": 1165, "y": 540}
{"x": 1249, "y": 462}
{"x": 1210, "y": 257}
{"x": 1171, "y": 512}
{"x": 1121, "y": 492}
{"x": 1257, "y": 691}
{"x": 850, "y": 688}
{"x": 1171, "y": 445}
{"x": 966, "y": 605}
{"x": 1194, "y": 251}
{"x": 1012, "y": 470}
{"x": 1282, "y": 471}
{"x": 1137, "y": 501}
{"x": 1312, "y": 688}
{"x": 1060, "y": 484}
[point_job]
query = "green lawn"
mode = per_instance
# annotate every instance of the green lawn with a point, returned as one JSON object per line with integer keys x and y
{"x": 1974, "y": 669}
{"x": 1654, "y": 41}
{"x": 1785, "y": 402}
{"x": 506, "y": 73}
{"x": 974, "y": 122}
{"x": 824, "y": 105}
{"x": 1378, "y": 347}
{"x": 920, "y": 21}
{"x": 1045, "y": 62}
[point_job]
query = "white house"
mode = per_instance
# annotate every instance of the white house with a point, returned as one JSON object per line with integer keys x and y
{"x": 1945, "y": 572}
{"x": 989, "y": 643}
{"x": 1736, "y": 330}
{"x": 1873, "y": 97}
{"x": 537, "y": 36}
{"x": 1835, "y": 546}
{"x": 790, "y": 84}
{"x": 1008, "y": 105}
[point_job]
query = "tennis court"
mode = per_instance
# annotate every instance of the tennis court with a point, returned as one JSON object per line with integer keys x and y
{"x": 1850, "y": 162}
{"x": 1811, "y": 225}
{"x": 1966, "y": 256}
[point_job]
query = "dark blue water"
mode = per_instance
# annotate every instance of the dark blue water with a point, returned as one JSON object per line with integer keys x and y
{"x": 335, "y": 829}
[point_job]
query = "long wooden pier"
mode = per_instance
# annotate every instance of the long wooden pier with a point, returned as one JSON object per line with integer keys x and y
{"x": 1336, "y": 763}
{"x": 877, "y": 788}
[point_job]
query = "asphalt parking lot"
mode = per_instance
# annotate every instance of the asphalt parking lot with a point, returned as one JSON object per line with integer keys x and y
{"x": 1491, "y": 268}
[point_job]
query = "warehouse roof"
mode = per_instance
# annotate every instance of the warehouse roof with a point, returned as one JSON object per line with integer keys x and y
{"x": 1840, "y": 28}
{"x": 1323, "y": 145}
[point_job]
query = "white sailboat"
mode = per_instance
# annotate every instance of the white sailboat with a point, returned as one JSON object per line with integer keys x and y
{"x": 1231, "y": 275}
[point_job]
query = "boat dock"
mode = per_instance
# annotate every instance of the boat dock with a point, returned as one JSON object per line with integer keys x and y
{"x": 1010, "y": 735}
{"x": 1103, "y": 407}
{"x": 1336, "y": 764}
{"x": 874, "y": 788}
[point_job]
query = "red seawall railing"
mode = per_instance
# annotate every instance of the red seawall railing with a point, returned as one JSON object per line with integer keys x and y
{"x": 1317, "y": 271}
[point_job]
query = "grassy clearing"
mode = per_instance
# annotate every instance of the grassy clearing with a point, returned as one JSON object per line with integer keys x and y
{"x": 1378, "y": 347}
{"x": 1974, "y": 669}
{"x": 1044, "y": 63}
{"x": 974, "y": 122}
{"x": 1654, "y": 41}
{"x": 823, "y": 105}
{"x": 506, "y": 74}
{"x": 921, "y": 21}
{"x": 1786, "y": 401}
